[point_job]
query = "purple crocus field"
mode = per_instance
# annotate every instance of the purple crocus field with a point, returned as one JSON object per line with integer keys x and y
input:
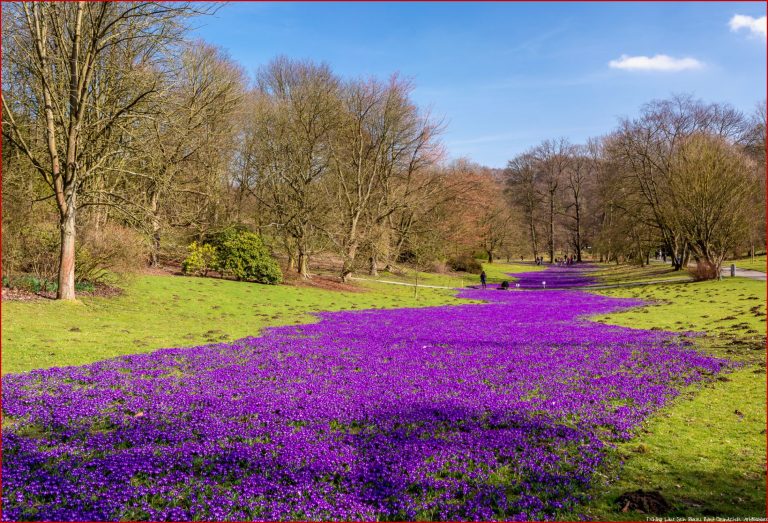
{"x": 556, "y": 277}
{"x": 501, "y": 410}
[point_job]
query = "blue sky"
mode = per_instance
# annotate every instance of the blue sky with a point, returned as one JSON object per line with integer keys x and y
{"x": 505, "y": 76}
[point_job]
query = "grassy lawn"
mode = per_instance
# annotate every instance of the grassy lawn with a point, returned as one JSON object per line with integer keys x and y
{"x": 705, "y": 453}
{"x": 618, "y": 274}
{"x": 175, "y": 311}
{"x": 499, "y": 271}
{"x": 496, "y": 272}
{"x": 758, "y": 264}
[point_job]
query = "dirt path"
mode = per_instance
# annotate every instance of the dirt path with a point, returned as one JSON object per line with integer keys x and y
{"x": 743, "y": 273}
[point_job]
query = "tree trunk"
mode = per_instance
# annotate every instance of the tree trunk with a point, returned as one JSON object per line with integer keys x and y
{"x": 66, "y": 290}
{"x": 578, "y": 234}
{"x": 551, "y": 227}
{"x": 534, "y": 243}
{"x": 490, "y": 256}
{"x": 373, "y": 262}
{"x": 350, "y": 252}
{"x": 348, "y": 265}
{"x": 303, "y": 265}
{"x": 154, "y": 210}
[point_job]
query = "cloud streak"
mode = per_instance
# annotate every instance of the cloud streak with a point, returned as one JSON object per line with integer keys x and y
{"x": 756, "y": 26}
{"x": 659, "y": 62}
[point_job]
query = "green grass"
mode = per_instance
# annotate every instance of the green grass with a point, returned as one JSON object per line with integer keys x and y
{"x": 499, "y": 271}
{"x": 705, "y": 453}
{"x": 175, "y": 311}
{"x": 756, "y": 264}
{"x": 619, "y": 274}
{"x": 496, "y": 273}
{"x": 733, "y": 306}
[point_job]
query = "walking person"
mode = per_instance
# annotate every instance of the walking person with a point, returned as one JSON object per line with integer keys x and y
{"x": 483, "y": 279}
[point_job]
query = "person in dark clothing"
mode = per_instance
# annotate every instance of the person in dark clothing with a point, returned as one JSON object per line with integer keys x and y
{"x": 483, "y": 279}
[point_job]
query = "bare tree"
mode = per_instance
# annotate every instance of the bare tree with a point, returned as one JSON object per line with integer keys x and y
{"x": 192, "y": 119}
{"x": 578, "y": 175}
{"x": 523, "y": 188}
{"x": 374, "y": 140}
{"x": 645, "y": 146}
{"x": 708, "y": 198}
{"x": 59, "y": 53}
{"x": 552, "y": 162}
{"x": 300, "y": 108}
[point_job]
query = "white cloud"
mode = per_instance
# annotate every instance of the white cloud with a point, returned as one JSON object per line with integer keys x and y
{"x": 756, "y": 26}
{"x": 659, "y": 62}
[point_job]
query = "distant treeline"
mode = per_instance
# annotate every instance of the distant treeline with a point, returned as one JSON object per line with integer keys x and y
{"x": 124, "y": 142}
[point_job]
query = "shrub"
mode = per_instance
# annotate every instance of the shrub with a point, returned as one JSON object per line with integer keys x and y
{"x": 34, "y": 249}
{"x": 438, "y": 267}
{"x": 36, "y": 285}
{"x": 243, "y": 255}
{"x": 465, "y": 263}
{"x": 108, "y": 251}
{"x": 704, "y": 271}
{"x": 29, "y": 283}
{"x": 201, "y": 259}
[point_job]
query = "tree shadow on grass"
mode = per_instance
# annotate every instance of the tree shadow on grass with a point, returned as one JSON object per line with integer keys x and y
{"x": 691, "y": 492}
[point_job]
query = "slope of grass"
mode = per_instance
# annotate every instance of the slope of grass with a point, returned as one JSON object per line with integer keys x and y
{"x": 496, "y": 272}
{"x": 733, "y": 306}
{"x": 756, "y": 264}
{"x": 175, "y": 311}
{"x": 617, "y": 274}
{"x": 705, "y": 452}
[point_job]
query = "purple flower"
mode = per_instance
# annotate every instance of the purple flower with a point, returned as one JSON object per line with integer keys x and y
{"x": 500, "y": 410}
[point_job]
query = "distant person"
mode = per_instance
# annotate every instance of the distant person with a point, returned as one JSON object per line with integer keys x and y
{"x": 483, "y": 279}
{"x": 504, "y": 285}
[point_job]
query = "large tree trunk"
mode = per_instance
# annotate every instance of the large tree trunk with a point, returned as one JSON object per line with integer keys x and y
{"x": 551, "y": 227}
{"x": 350, "y": 252}
{"x": 534, "y": 243}
{"x": 154, "y": 209}
{"x": 578, "y": 234}
{"x": 66, "y": 290}
{"x": 303, "y": 265}
{"x": 348, "y": 265}
{"x": 490, "y": 256}
{"x": 372, "y": 265}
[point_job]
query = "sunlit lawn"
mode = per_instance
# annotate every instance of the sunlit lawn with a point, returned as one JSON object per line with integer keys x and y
{"x": 175, "y": 311}
{"x": 706, "y": 452}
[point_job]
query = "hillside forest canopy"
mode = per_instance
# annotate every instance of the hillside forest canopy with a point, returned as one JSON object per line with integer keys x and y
{"x": 126, "y": 143}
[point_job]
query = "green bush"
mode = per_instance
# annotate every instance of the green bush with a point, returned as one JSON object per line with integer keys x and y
{"x": 201, "y": 259}
{"x": 465, "y": 263}
{"x": 243, "y": 255}
{"x": 31, "y": 283}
